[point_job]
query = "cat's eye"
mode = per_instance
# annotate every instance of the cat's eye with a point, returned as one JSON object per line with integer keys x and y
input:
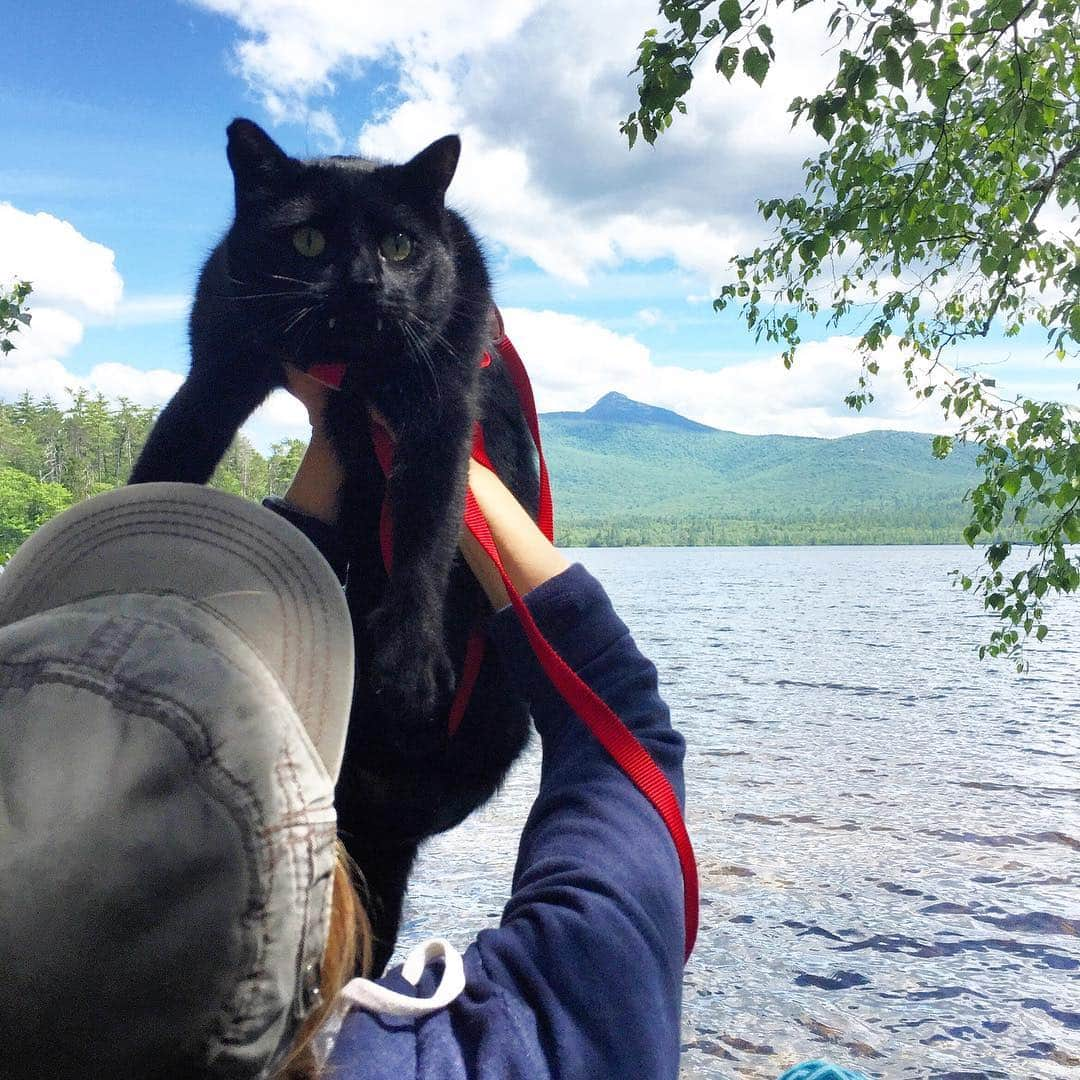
{"x": 396, "y": 247}
{"x": 309, "y": 241}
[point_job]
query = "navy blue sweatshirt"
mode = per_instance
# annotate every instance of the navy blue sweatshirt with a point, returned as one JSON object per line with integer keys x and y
{"x": 582, "y": 979}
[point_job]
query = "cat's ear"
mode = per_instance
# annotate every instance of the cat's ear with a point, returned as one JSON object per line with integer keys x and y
{"x": 259, "y": 165}
{"x": 433, "y": 168}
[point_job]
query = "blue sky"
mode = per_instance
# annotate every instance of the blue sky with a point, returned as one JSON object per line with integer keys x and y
{"x": 114, "y": 185}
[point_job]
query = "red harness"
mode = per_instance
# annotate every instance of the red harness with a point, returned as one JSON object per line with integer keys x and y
{"x": 608, "y": 729}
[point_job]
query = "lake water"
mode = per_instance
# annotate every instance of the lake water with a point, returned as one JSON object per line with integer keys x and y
{"x": 887, "y": 829}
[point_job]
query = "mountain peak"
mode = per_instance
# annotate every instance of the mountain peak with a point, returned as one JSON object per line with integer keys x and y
{"x": 618, "y": 408}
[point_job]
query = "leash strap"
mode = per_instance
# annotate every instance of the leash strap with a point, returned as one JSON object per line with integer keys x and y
{"x": 609, "y": 730}
{"x": 545, "y": 517}
{"x": 598, "y": 717}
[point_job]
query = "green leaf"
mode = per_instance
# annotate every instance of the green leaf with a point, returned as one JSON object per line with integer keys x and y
{"x": 756, "y": 64}
{"x": 1009, "y": 10}
{"x": 727, "y": 61}
{"x": 730, "y": 14}
{"x": 892, "y": 68}
{"x": 765, "y": 34}
{"x": 1033, "y": 119}
{"x": 941, "y": 446}
{"x": 690, "y": 23}
{"x": 824, "y": 123}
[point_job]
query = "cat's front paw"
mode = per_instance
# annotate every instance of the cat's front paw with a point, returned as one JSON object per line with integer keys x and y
{"x": 412, "y": 674}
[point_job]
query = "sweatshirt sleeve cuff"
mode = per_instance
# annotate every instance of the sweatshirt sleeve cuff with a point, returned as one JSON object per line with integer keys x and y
{"x": 327, "y": 538}
{"x": 573, "y": 612}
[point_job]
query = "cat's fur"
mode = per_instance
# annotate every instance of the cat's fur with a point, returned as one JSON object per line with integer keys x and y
{"x": 412, "y": 334}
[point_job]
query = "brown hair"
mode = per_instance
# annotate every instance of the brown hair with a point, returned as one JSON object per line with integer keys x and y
{"x": 348, "y": 950}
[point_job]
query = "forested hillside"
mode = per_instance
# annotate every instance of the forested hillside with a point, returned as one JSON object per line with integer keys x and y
{"x": 51, "y": 457}
{"x": 628, "y": 473}
{"x": 624, "y": 473}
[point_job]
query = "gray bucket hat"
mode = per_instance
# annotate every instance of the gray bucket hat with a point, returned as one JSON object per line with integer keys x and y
{"x": 176, "y": 673}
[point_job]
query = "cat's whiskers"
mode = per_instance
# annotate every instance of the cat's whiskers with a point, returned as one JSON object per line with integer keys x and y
{"x": 262, "y": 296}
{"x": 420, "y": 351}
{"x": 294, "y": 280}
{"x": 306, "y": 330}
{"x": 298, "y": 318}
{"x": 283, "y": 316}
{"x": 434, "y": 334}
{"x": 273, "y": 295}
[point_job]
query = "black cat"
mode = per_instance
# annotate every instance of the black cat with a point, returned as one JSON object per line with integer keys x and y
{"x": 341, "y": 260}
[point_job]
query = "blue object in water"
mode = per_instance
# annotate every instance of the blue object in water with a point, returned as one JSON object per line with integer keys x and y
{"x": 820, "y": 1070}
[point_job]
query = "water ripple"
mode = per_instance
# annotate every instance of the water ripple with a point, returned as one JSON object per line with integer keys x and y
{"x": 886, "y": 828}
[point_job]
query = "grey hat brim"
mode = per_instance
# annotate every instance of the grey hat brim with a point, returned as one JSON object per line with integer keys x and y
{"x": 234, "y": 559}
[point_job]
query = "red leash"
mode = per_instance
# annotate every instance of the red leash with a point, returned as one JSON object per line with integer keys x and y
{"x": 609, "y": 730}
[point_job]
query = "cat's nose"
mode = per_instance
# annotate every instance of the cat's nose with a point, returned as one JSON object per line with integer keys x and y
{"x": 361, "y": 294}
{"x": 363, "y": 276}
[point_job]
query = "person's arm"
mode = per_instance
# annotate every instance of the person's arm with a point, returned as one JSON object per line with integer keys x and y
{"x": 583, "y": 977}
{"x": 313, "y": 500}
{"x": 592, "y": 937}
{"x": 316, "y": 488}
{"x": 529, "y": 557}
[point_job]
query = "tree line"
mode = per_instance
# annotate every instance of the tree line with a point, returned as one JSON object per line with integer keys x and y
{"x": 699, "y": 530}
{"x": 54, "y": 455}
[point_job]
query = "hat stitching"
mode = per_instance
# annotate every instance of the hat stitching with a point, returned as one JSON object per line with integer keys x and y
{"x": 144, "y": 621}
{"x": 117, "y": 517}
{"x": 107, "y": 523}
{"x": 307, "y": 586}
{"x": 109, "y": 642}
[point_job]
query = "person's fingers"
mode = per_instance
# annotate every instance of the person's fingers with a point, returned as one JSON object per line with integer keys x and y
{"x": 308, "y": 391}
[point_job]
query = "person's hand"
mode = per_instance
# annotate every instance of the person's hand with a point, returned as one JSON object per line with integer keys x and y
{"x": 529, "y": 557}
{"x": 311, "y": 393}
{"x": 316, "y": 488}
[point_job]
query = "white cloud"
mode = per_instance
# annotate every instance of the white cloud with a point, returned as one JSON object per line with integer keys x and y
{"x": 35, "y": 367}
{"x": 295, "y": 49}
{"x": 537, "y": 89}
{"x": 281, "y": 416}
{"x": 573, "y": 361}
{"x": 150, "y": 309}
{"x": 68, "y": 271}
{"x": 75, "y": 281}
